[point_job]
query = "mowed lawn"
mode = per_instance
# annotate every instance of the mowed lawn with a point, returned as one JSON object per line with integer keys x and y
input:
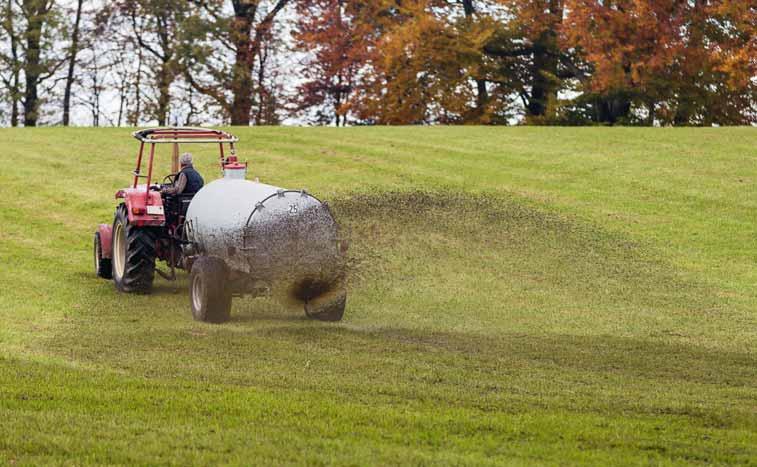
{"x": 517, "y": 296}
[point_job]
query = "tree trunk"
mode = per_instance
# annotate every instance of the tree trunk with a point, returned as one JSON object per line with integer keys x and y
{"x": 121, "y": 103}
{"x": 138, "y": 90}
{"x": 482, "y": 94}
{"x": 546, "y": 54}
{"x": 543, "y": 75}
{"x": 14, "y": 104}
{"x": 651, "y": 113}
{"x": 165, "y": 75}
{"x": 262, "y": 92}
{"x": 242, "y": 85}
{"x": 190, "y": 104}
{"x": 612, "y": 109}
{"x": 71, "y": 65}
{"x": 164, "y": 96}
{"x": 32, "y": 64}
{"x": 96, "y": 90}
{"x": 338, "y": 98}
{"x": 15, "y": 73}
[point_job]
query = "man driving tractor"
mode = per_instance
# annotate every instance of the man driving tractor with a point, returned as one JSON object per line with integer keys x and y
{"x": 188, "y": 181}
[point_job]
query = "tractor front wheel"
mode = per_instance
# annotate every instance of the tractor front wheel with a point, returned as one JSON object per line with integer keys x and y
{"x": 133, "y": 258}
{"x": 103, "y": 266}
{"x": 209, "y": 294}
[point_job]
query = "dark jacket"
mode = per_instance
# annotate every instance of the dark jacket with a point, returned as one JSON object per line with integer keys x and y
{"x": 188, "y": 182}
{"x": 194, "y": 180}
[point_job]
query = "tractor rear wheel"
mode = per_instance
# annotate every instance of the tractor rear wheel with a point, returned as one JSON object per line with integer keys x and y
{"x": 103, "y": 266}
{"x": 327, "y": 308}
{"x": 133, "y": 257}
{"x": 209, "y": 294}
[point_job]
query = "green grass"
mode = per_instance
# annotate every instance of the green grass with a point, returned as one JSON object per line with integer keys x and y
{"x": 517, "y": 296}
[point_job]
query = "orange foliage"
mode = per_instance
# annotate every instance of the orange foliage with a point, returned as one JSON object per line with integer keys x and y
{"x": 339, "y": 44}
{"x": 694, "y": 62}
{"x": 422, "y": 61}
{"x": 420, "y": 69}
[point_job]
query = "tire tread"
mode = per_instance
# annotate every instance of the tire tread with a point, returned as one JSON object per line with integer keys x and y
{"x": 139, "y": 270}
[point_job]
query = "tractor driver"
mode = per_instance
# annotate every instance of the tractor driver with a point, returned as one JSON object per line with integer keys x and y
{"x": 188, "y": 181}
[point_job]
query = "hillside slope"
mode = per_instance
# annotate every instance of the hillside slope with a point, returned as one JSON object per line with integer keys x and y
{"x": 517, "y": 295}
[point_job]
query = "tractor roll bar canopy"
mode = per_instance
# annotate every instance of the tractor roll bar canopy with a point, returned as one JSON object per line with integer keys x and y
{"x": 184, "y": 135}
{"x": 176, "y": 136}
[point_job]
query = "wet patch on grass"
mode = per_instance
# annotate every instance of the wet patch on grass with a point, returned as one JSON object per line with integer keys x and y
{"x": 517, "y": 263}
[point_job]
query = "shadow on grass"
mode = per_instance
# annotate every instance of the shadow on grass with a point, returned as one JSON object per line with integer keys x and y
{"x": 639, "y": 358}
{"x": 256, "y": 316}
{"x": 509, "y": 372}
{"x": 160, "y": 286}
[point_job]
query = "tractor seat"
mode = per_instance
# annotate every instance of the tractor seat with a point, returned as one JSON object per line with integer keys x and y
{"x": 184, "y": 201}
{"x": 177, "y": 205}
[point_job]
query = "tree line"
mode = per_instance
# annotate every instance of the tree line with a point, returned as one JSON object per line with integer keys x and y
{"x": 346, "y": 62}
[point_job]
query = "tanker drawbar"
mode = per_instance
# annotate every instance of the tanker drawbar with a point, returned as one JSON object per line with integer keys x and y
{"x": 270, "y": 241}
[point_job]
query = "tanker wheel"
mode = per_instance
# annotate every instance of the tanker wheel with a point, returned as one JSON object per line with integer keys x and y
{"x": 103, "y": 266}
{"x": 133, "y": 257}
{"x": 327, "y": 308}
{"x": 209, "y": 295}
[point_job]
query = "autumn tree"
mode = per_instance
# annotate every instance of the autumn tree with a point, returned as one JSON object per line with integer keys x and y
{"x": 416, "y": 62}
{"x": 338, "y": 51}
{"x": 667, "y": 62}
{"x": 482, "y": 90}
{"x": 222, "y": 50}
{"x": 676, "y": 62}
{"x": 526, "y": 56}
{"x": 418, "y": 77}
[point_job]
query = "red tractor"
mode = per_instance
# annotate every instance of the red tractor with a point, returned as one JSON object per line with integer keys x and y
{"x": 148, "y": 225}
{"x": 245, "y": 238}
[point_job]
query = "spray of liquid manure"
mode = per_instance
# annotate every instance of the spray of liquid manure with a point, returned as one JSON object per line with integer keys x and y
{"x": 297, "y": 248}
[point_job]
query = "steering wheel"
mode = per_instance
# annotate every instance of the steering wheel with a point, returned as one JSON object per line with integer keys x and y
{"x": 168, "y": 181}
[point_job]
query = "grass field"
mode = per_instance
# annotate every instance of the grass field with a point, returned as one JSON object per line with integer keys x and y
{"x": 517, "y": 296}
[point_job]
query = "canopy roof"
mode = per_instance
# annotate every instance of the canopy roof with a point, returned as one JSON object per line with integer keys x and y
{"x": 184, "y": 135}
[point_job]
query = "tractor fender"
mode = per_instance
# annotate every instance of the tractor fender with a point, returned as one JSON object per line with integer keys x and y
{"x": 140, "y": 212}
{"x": 106, "y": 240}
